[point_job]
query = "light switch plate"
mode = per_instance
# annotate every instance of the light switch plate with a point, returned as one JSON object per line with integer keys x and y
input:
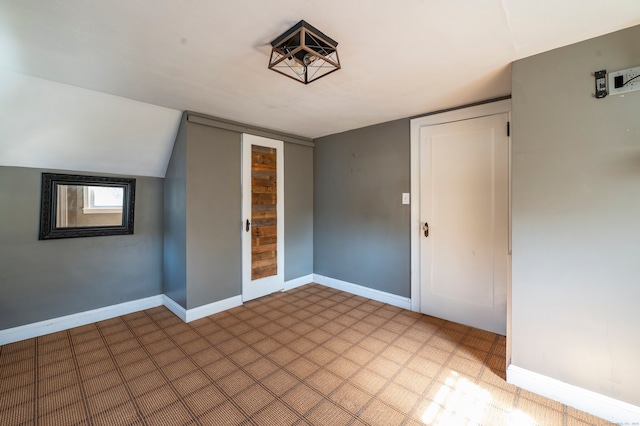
{"x": 630, "y": 80}
{"x": 406, "y": 198}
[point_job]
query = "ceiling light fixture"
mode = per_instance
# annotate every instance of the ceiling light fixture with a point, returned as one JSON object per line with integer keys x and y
{"x": 304, "y": 54}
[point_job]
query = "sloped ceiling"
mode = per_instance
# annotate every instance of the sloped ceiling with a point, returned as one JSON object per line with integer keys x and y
{"x": 93, "y": 85}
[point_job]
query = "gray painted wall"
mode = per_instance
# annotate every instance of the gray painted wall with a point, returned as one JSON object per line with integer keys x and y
{"x": 298, "y": 211}
{"x": 576, "y": 210}
{"x": 214, "y": 199}
{"x": 203, "y": 252}
{"x": 361, "y": 227}
{"x": 41, "y": 280}
{"x": 175, "y": 220}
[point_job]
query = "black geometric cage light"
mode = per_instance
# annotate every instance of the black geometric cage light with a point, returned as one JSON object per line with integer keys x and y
{"x": 304, "y": 53}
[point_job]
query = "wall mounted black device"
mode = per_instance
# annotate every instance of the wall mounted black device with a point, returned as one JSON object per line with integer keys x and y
{"x": 601, "y": 84}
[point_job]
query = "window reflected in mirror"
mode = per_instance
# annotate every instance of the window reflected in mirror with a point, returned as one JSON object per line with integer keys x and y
{"x": 83, "y": 205}
{"x": 86, "y": 206}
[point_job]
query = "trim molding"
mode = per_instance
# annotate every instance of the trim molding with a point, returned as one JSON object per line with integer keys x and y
{"x": 174, "y": 307}
{"x": 42, "y": 328}
{"x": 54, "y": 325}
{"x": 585, "y": 400}
{"x": 358, "y": 290}
{"x": 441, "y": 111}
{"x": 188, "y": 315}
{"x": 297, "y": 282}
{"x": 194, "y": 117}
{"x": 414, "y": 225}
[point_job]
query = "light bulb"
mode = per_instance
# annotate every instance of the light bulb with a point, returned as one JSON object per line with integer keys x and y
{"x": 298, "y": 68}
{"x": 293, "y": 63}
{"x": 309, "y": 59}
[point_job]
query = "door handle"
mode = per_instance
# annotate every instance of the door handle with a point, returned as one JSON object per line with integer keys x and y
{"x": 425, "y": 228}
{"x": 248, "y": 225}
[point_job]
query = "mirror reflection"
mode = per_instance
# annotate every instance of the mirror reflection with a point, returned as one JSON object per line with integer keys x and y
{"x": 89, "y": 205}
{"x": 73, "y": 206}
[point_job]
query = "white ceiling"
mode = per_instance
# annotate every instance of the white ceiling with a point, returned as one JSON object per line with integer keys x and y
{"x": 66, "y": 65}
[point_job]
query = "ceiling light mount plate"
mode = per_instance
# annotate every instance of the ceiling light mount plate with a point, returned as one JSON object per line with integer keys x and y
{"x": 304, "y": 53}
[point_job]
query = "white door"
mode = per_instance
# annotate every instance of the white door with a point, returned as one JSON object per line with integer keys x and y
{"x": 464, "y": 190}
{"x": 262, "y": 216}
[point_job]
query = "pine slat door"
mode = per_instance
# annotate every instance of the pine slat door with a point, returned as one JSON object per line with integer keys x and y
{"x": 263, "y": 212}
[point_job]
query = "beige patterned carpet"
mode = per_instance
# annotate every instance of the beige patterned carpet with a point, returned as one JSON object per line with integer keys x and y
{"x": 310, "y": 356}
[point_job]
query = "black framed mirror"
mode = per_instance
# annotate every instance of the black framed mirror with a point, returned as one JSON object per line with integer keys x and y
{"x": 86, "y": 206}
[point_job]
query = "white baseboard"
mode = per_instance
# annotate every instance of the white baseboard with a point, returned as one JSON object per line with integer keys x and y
{"x": 54, "y": 325}
{"x": 213, "y": 308}
{"x": 585, "y": 400}
{"x": 291, "y": 284}
{"x": 188, "y": 315}
{"x": 358, "y": 290}
{"x": 174, "y": 307}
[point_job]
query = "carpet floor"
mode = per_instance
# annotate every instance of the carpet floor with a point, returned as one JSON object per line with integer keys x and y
{"x": 310, "y": 356}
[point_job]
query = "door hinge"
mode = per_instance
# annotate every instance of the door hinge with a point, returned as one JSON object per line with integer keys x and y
{"x": 508, "y": 128}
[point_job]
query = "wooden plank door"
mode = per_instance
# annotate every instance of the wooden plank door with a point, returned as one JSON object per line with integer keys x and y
{"x": 464, "y": 196}
{"x": 263, "y": 216}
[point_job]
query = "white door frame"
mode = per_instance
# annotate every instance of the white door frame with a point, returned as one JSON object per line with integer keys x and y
{"x": 275, "y": 282}
{"x": 477, "y": 111}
